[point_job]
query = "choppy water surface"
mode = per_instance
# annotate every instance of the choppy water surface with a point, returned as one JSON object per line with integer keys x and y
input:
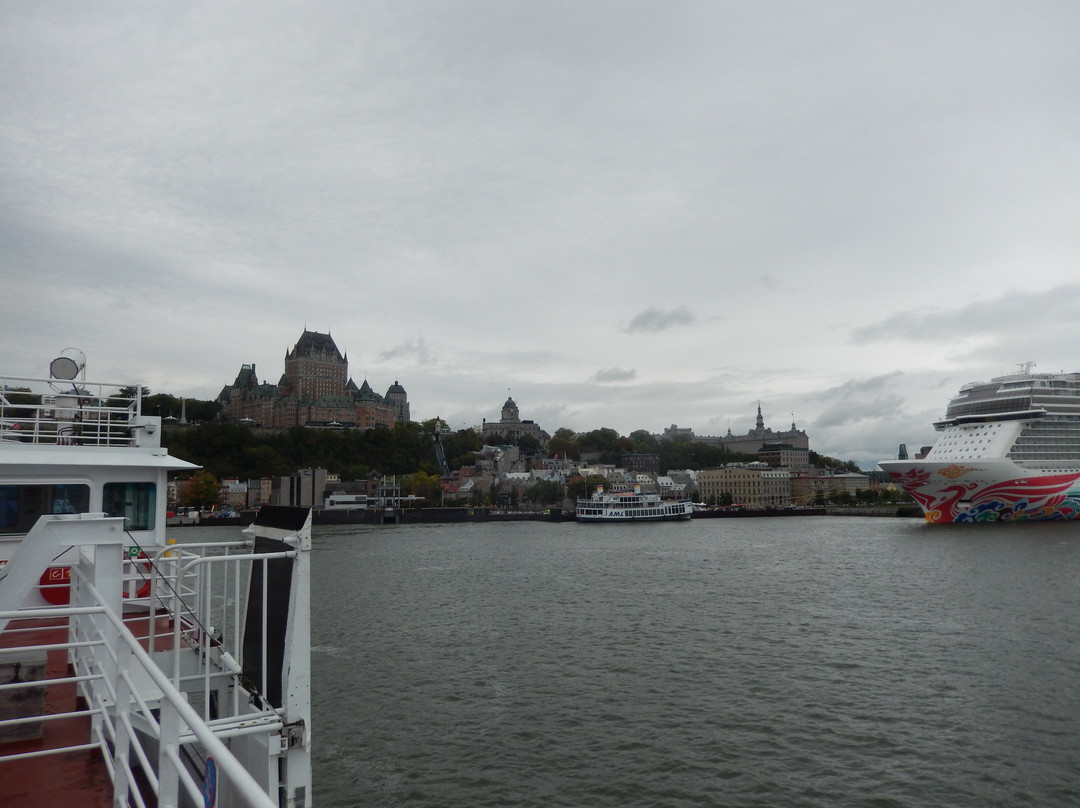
{"x": 740, "y": 662}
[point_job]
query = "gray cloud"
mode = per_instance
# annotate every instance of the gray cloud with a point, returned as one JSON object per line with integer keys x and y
{"x": 873, "y": 398}
{"x": 202, "y": 180}
{"x": 414, "y": 350}
{"x": 654, "y": 319}
{"x": 992, "y": 320}
{"x": 609, "y": 375}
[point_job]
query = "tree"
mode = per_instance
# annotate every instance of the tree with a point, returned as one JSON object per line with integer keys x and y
{"x": 422, "y": 484}
{"x": 529, "y": 445}
{"x": 867, "y": 495}
{"x": 644, "y": 442}
{"x": 545, "y": 492}
{"x": 562, "y": 444}
{"x": 202, "y": 490}
{"x": 581, "y": 487}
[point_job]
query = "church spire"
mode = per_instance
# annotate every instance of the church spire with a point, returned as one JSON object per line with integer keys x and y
{"x": 760, "y": 420}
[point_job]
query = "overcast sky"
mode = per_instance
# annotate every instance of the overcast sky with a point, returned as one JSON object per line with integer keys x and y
{"x": 625, "y": 214}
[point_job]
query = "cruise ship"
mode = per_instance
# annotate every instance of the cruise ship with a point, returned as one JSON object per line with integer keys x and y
{"x": 1009, "y": 450}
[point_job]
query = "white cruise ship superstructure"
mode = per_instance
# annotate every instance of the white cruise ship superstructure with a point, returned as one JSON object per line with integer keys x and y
{"x": 1009, "y": 450}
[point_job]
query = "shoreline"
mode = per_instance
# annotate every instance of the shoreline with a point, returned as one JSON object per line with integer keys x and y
{"x": 376, "y": 516}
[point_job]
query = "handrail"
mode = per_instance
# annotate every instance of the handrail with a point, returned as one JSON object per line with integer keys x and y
{"x": 179, "y": 720}
{"x": 50, "y": 411}
{"x": 230, "y": 766}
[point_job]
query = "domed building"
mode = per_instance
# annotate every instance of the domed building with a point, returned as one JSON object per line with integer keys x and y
{"x": 510, "y": 427}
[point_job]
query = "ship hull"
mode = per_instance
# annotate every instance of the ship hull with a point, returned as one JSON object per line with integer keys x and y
{"x": 619, "y": 516}
{"x": 988, "y": 490}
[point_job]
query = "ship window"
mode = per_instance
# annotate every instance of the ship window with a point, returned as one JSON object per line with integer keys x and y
{"x": 133, "y": 501}
{"x": 21, "y": 505}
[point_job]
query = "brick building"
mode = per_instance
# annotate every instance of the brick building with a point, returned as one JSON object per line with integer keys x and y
{"x": 314, "y": 390}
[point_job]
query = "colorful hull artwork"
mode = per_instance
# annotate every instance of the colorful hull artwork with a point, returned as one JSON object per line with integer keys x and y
{"x": 952, "y": 492}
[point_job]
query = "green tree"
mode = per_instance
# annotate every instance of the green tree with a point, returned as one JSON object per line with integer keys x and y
{"x": 644, "y": 442}
{"x": 422, "y": 484}
{"x": 528, "y": 445}
{"x": 580, "y": 487}
{"x": 545, "y": 492}
{"x": 562, "y": 444}
{"x": 161, "y": 404}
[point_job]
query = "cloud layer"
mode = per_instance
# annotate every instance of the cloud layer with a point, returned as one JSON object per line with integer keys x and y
{"x": 632, "y": 214}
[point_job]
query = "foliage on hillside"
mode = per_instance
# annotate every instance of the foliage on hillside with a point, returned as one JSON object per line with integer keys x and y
{"x": 226, "y": 449}
{"x": 233, "y": 450}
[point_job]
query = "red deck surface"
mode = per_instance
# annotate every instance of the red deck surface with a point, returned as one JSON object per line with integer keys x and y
{"x": 69, "y": 779}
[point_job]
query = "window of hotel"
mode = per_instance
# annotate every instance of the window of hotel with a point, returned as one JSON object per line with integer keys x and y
{"x": 21, "y": 505}
{"x": 133, "y": 501}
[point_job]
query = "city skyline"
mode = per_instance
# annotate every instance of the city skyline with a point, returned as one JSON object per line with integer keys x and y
{"x": 630, "y": 214}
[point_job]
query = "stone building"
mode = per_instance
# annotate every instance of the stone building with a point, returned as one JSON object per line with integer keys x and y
{"x": 753, "y": 441}
{"x": 314, "y": 390}
{"x": 754, "y": 484}
{"x": 641, "y": 463}
{"x": 510, "y": 427}
{"x": 760, "y": 435}
{"x": 784, "y": 455}
{"x": 812, "y": 485}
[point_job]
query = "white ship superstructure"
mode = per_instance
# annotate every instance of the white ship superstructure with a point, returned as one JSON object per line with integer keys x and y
{"x": 133, "y": 670}
{"x": 631, "y": 506}
{"x": 1009, "y": 449}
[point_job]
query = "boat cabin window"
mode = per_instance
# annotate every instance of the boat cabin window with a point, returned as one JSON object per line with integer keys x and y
{"x": 21, "y": 505}
{"x": 133, "y": 501}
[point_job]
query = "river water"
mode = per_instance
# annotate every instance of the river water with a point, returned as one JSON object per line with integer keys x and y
{"x": 825, "y": 661}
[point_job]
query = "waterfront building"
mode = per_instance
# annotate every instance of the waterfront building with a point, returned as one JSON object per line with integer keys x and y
{"x": 753, "y": 484}
{"x": 305, "y": 489}
{"x": 813, "y": 485}
{"x": 314, "y": 390}
{"x": 234, "y": 493}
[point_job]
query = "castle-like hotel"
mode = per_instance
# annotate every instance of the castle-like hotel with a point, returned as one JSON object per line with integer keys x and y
{"x": 314, "y": 390}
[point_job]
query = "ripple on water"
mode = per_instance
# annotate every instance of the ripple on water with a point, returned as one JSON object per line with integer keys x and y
{"x": 766, "y": 662}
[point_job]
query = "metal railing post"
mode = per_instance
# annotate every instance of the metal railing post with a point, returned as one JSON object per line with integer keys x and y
{"x": 168, "y": 750}
{"x": 122, "y": 732}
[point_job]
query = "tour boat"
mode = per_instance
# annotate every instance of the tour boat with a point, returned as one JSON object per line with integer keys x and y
{"x": 134, "y": 670}
{"x": 631, "y": 506}
{"x": 1009, "y": 450}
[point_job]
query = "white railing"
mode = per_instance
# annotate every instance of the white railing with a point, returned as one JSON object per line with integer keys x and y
{"x": 162, "y": 690}
{"x": 68, "y": 413}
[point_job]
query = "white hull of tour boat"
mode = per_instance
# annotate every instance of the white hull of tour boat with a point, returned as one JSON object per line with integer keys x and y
{"x": 631, "y": 506}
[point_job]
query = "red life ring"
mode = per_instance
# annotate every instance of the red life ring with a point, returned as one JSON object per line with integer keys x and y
{"x": 56, "y": 585}
{"x": 144, "y": 590}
